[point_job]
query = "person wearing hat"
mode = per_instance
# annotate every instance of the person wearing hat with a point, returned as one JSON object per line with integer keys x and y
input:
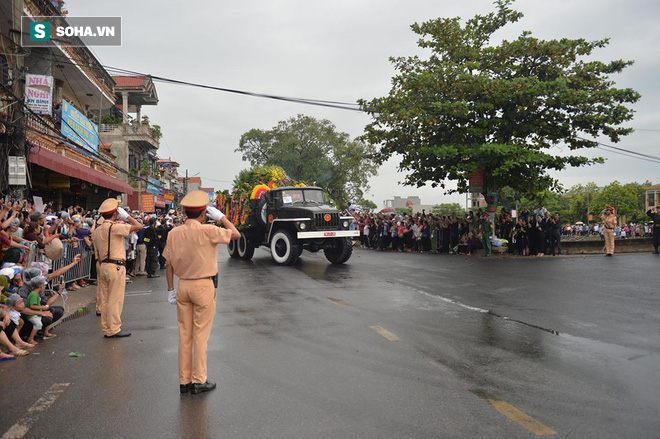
{"x": 192, "y": 254}
{"x": 608, "y": 217}
{"x": 654, "y": 214}
{"x": 108, "y": 241}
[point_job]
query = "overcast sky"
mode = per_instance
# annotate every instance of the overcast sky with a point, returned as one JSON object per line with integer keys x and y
{"x": 338, "y": 50}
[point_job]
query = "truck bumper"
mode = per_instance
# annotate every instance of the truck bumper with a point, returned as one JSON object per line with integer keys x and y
{"x": 329, "y": 234}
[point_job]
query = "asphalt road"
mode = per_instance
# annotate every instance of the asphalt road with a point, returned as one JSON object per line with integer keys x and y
{"x": 386, "y": 346}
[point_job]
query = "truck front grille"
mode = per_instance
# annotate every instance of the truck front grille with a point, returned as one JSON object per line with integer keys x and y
{"x": 321, "y": 224}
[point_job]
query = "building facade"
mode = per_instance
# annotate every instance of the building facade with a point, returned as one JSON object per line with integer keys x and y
{"x": 57, "y": 138}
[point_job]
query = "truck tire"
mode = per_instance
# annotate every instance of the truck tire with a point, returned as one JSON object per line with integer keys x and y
{"x": 232, "y": 248}
{"x": 341, "y": 252}
{"x": 284, "y": 248}
{"x": 244, "y": 247}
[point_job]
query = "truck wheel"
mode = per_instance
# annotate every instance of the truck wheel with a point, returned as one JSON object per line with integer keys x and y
{"x": 244, "y": 247}
{"x": 340, "y": 252}
{"x": 284, "y": 248}
{"x": 232, "y": 248}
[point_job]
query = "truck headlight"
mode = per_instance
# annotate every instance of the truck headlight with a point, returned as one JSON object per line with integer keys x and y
{"x": 345, "y": 224}
{"x": 303, "y": 226}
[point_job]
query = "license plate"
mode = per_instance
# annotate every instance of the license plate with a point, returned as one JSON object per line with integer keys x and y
{"x": 330, "y": 234}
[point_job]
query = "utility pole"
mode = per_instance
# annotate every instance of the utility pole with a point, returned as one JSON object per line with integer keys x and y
{"x": 101, "y": 104}
{"x": 588, "y": 201}
{"x": 185, "y": 184}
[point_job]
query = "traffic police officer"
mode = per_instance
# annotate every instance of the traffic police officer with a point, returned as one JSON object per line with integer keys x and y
{"x": 110, "y": 251}
{"x": 192, "y": 255}
{"x": 608, "y": 216}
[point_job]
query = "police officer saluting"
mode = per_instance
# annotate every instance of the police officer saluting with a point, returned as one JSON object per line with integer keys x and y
{"x": 111, "y": 264}
{"x": 192, "y": 255}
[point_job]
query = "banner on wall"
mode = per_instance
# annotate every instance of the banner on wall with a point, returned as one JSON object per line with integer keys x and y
{"x": 39, "y": 93}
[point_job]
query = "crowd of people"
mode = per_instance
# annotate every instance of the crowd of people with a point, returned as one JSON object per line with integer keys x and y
{"x": 30, "y": 286}
{"x": 535, "y": 232}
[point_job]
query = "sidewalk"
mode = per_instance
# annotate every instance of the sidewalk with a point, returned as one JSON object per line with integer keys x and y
{"x": 75, "y": 301}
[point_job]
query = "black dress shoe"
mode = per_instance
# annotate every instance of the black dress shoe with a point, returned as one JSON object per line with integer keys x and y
{"x": 199, "y": 388}
{"x": 119, "y": 335}
{"x": 98, "y": 313}
{"x": 153, "y": 276}
{"x": 185, "y": 388}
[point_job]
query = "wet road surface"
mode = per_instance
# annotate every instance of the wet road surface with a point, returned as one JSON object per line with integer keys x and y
{"x": 387, "y": 346}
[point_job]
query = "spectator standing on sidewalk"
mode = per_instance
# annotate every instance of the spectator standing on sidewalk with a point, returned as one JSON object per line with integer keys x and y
{"x": 654, "y": 214}
{"x": 141, "y": 256}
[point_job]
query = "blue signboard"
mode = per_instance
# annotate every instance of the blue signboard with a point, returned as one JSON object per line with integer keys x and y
{"x": 77, "y": 128}
{"x": 154, "y": 186}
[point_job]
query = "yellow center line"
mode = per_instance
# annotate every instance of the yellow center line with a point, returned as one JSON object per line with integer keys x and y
{"x": 521, "y": 418}
{"x": 23, "y": 425}
{"x": 385, "y": 333}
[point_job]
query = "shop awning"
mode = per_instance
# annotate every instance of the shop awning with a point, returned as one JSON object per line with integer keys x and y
{"x": 58, "y": 163}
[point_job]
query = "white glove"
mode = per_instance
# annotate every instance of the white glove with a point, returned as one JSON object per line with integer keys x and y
{"x": 171, "y": 296}
{"x": 122, "y": 213}
{"x": 214, "y": 213}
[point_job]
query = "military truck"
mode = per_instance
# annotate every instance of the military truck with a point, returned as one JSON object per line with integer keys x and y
{"x": 290, "y": 219}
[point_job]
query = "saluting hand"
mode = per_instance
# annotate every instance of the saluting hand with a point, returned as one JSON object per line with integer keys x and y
{"x": 122, "y": 213}
{"x": 214, "y": 213}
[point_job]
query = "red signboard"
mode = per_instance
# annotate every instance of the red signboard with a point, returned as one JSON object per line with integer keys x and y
{"x": 476, "y": 178}
{"x": 148, "y": 203}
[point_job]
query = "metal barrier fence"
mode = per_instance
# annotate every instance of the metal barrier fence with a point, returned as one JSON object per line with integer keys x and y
{"x": 81, "y": 270}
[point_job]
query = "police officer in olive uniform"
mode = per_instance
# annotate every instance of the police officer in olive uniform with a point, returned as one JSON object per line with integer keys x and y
{"x": 654, "y": 214}
{"x": 486, "y": 228}
{"x": 192, "y": 255}
{"x": 110, "y": 252}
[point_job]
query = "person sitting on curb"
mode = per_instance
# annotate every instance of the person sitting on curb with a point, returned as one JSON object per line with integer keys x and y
{"x": 14, "y": 306}
{"x": 38, "y": 285}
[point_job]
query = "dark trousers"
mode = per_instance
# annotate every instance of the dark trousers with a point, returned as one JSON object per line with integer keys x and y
{"x": 161, "y": 258}
{"x": 555, "y": 241}
{"x": 57, "y": 312}
{"x": 656, "y": 238}
{"x": 152, "y": 260}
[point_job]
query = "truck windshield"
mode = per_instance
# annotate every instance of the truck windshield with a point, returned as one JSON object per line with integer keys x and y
{"x": 299, "y": 196}
{"x": 314, "y": 196}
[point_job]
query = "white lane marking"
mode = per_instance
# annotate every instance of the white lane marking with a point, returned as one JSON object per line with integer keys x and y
{"x": 23, "y": 425}
{"x": 146, "y": 291}
{"x": 137, "y": 294}
{"x": 444, "y": 299}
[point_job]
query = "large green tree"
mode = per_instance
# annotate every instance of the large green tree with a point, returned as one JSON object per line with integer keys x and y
{"x": 624, "y": 197}
{"x": 581, "y": 202}
{"x": 313, "y": 151}
{"x": 500, "y": 108}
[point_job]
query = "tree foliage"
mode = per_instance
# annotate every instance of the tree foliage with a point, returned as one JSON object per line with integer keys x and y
{"x": 446, "y": 209}
{"x": 313, "y": 151}
{"x": 501, "y": 108}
